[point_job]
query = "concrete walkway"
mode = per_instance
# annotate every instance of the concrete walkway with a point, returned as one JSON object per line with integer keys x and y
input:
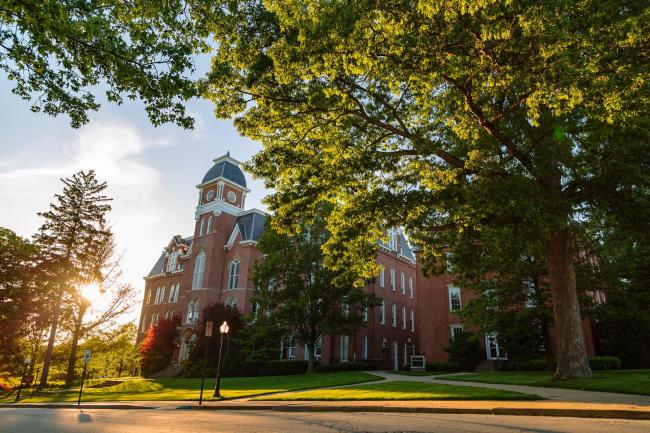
{"x": 553, "y": 394}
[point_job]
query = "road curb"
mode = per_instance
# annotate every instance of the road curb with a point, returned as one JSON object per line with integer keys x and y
{"x": 71, "y": 406}
{"x": 575, "y": 413}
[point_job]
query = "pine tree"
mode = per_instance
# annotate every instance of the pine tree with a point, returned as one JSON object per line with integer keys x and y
{"x": 70, "y": 239}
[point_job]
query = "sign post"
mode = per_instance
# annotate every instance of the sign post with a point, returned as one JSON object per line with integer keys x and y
{"x": 86, "y": 360}
{"x": 418, "y": 363}
{"x": 208, "y": 333}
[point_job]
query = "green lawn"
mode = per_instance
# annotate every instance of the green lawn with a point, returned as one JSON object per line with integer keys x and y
{"x": 403, "y": 391}
{"x": 623, "y": 381}
{"x": 188, "y": 389}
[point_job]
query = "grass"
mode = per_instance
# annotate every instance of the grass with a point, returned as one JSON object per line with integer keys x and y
{"x": 622, "y": 381}
{"x": 402, "y": 391}
{"x": 188, "y": 388}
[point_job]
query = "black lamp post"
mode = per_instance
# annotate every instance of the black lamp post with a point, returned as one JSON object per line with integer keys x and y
{"x": 224, "y": 330}
{"x": 22, "y": 378}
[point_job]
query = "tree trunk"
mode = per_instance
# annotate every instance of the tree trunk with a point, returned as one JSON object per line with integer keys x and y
{"x": 311, "y": 358}
{"x": 571, "y": 354}
{"x": 72, "y": 359}
{"x": 50, "y": 343}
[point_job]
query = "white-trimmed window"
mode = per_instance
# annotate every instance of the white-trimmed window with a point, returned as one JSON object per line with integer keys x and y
{"x": 412, "y": 320}
{"x": 393, "y": 316}
{"x": 345, "y": 342}
{"x": 144, "y": 324}
{"x": 410, "y": 287}
{"x": 220, "y": 191}
{"x": 454, "y": 298}
{"x": 291, "y": 349}
{"x": 365, "y": 313}
{"x": 364, "y": 347}
{"x": 171, "y": 261}
{"x": 403, "y": 317}
{"x": 382, "y": 313}
{"x": 147, "y": 298}
{"x": 392, "y": 279}
{"x": 173, "y": 293}
{"x": 190, "y": 312}
{"x": 405, "y": 360}
{"x": 233, "y": 278}
{"x": 209, "y": 228}
{"x": 403, "y": 283}
{"x": 202, "y": 227}
{"x": 199, "y": 269}
{"x": 382, "y": 276}
{"x": 455, "y": 330}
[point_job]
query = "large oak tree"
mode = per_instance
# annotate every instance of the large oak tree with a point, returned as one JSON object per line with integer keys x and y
{"x": 462, "y": 120}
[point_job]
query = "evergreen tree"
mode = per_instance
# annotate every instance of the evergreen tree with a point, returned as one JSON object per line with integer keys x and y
{"x": 72, "y": 240}
{"x": 299, "y": 295}
{"x": 20, "y": 293}
{"x": 462, "y": 121}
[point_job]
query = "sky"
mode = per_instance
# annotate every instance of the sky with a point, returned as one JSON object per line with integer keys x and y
{"x": 151, "y": 172}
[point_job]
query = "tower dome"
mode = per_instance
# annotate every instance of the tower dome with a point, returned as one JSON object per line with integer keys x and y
{"x": 227, "y": 168}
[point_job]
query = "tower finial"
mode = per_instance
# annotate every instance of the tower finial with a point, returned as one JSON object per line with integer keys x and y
{"x": 228, "y": 153}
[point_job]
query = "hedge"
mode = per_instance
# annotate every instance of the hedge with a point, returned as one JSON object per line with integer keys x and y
{"x": 442, "y": 366}
{"x": 537, "y": 364}
{"x": 605, "y": 363}
{"x": 345, "y": 366}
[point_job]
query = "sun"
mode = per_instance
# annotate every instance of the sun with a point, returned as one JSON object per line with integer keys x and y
{"x": 91, "y": 292}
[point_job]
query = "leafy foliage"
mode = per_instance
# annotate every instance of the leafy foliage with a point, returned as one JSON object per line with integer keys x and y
{"x": 464, "y": 350}
{"x": 57, "y": 52}
{"x": 465, "y": 122}
{"x": 158, "y": 346}
{"x": 299, "y": 295}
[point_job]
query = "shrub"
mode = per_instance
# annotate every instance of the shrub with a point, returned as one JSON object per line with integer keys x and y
{"x": 158, "y": 346}
{"x": 537, "y": 364}
{"x": 464, "y": 350}
{"x": 345, "y": 366}
{"x": 604, "y": 363}
{"x": 442, "y": 366}
{"x": 283, "y": 367}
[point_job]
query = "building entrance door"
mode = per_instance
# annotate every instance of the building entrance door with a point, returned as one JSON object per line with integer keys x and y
{"x": 492, "y": 348}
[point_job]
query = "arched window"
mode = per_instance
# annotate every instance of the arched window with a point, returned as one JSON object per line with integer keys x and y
{"x": 233, "y": 279}
{"x": 382, "y": 277}
{"x": 403, "y": 283}
{"x": 190, "y": 312}
{"x": 209, "y": 230}
{"x": 195, "y": 316}
{"x": 202, "y": 227}
{"x": 199, "y": 268}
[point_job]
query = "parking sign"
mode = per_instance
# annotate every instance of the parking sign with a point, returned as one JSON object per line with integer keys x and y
{"x": 87, "y": 353}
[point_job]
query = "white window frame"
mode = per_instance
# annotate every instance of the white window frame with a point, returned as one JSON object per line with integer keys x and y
{"x": 190, "y": 312}
{"x": 147, "y": 298}
{"x": 410, "y": 286}
{"x": 209, "y": 228}
{"x": 365, "y": 313}
{"x": 403, "y": 317}
{"x": 382, "y": 276}
{"x": 233, "y": 275}
{"x": 412, "y": 320}
{"x": 202, "y": 227}
{"x": 393, "y": 315}
{"x": 199, "y": 270}
{"x": 292, "y": 351}
{"x": 455, "y": 329}
{"x": 392, "y": 279}
{"x": 382, "y": 313}
{"x": 345, "y": 348}
{"x": 196, "y": 311}
{"x": 453, "y": 290}
{"x": 403, "y": 283}
{"x": 171, "y": 261}
{"x": 364, "y": 347}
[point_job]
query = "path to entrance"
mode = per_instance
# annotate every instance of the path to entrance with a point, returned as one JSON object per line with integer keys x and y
{"x": 554, "y": 394}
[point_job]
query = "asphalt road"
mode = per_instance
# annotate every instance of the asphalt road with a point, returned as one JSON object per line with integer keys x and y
{"x": 182, "y": 421}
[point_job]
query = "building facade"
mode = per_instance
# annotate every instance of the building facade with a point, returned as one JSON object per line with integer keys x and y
{"x": 416, "y": 314}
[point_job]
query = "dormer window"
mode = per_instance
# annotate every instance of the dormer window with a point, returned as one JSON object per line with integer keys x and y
{"x": 171, "y": 261}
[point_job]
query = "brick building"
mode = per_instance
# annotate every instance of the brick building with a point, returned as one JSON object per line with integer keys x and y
{"x": 417, "y": 315}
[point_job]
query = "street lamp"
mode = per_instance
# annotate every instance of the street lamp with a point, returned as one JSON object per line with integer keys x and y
{"x": 22, "y": 378}
{"x": 224, "y": 330}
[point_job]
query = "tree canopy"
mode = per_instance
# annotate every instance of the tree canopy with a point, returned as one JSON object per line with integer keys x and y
{"x": 463, "y": 121}
{"x": 59, "y": 52}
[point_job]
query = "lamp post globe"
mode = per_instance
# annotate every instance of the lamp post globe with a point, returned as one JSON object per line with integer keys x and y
{"x": 224, "y": 328}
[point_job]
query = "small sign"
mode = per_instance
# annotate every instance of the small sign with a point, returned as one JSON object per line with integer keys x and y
{"x": 418, "y": 363}
{"x": 87, "y": 353}
{"x": 208, "y": 329}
